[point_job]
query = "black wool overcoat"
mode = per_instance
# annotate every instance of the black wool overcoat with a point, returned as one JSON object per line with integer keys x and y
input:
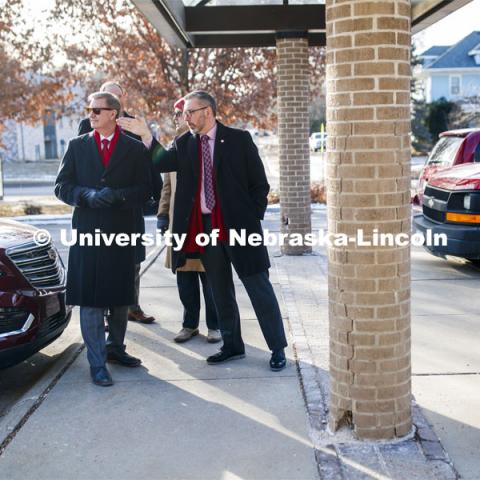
{"x": 102, "y": 276}
{"x": 155, "y": 185}
{"x": 241, "y": 186}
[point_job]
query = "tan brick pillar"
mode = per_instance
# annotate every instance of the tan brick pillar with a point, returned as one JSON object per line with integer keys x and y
{"x": 368, "y": 171}
{"x": 293, "y": 127}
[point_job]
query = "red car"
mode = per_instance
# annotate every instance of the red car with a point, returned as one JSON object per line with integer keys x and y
{"x": 32, "y": 293}
{"x": 454, "y": 147}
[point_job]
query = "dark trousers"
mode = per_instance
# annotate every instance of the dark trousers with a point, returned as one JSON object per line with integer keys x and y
{"x": 189, "y": 292}
{"x": 136, "y": 305}
{"x": 218, "y": 266}
{"x": 93, "y": 332}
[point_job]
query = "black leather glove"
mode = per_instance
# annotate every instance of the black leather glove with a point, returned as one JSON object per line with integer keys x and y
{"x": 92, "y": 199}
{"x": 110, "y": 196}
{"x": 162, "y": 223}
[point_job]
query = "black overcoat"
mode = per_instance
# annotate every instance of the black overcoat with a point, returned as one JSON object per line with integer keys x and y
{"x": 102, "y": 276}
{"x": 241, "y": 185}
{"x": 156, "y": 185}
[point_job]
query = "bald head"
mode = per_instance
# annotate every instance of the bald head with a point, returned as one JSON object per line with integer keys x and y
{"x": 116, "y": 89}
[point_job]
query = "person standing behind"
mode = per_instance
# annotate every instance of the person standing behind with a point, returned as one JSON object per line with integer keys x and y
{"x": 103, "y": 176}
{"x": 135, "y": 312}
{"x": 187, "y": 276}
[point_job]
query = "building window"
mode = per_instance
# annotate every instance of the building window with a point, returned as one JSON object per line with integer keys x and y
{"x": 455, "y": 84}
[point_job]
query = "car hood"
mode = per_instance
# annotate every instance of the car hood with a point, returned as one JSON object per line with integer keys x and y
{"x": 14, "y": 233}
{"x": 461, "y": 177}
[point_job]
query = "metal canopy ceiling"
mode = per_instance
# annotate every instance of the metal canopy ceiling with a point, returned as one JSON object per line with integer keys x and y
{"x": 428, "y": 12}
{"x": 255, "y": 23}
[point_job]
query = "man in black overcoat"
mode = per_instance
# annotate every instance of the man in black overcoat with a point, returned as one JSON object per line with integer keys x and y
{"x": 135, "y": 311}
{"x": 103, "y": 175}
{"x": 221, "y": 184}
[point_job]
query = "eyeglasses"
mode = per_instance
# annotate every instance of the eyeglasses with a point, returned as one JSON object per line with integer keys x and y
{"x": 187, "y": 113}
{"x": 97, "y": 111}
{"x": 177, "y": 114}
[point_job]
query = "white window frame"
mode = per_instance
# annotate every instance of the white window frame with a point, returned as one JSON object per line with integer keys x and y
{"x": 450, "y": 85}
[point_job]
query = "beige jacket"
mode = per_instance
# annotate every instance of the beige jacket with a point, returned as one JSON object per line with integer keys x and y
{"x": 165, "y": 207}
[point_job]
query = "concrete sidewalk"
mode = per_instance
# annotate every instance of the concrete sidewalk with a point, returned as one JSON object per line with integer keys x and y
{"x": 178, "y": 418}
{"x": 174, "y": 418}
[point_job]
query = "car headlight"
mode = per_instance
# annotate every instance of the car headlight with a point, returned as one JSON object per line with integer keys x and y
{"x": 471, "y": 201}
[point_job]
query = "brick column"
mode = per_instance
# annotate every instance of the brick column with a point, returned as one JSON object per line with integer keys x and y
{"x": 293, "y": 127}
{"x": 368, "y": 179}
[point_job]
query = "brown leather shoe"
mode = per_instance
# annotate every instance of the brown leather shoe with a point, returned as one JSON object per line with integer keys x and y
{"x": 139, "y": 316}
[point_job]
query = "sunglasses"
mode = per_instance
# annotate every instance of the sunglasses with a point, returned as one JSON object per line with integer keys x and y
{"x": 97, "y": 111}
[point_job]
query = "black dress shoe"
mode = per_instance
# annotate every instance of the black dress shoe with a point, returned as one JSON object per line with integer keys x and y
{"x": 101, "y": 376}
{"x": 123, "y": 358}
{"x": 278, "y": 361}
{"x": 224, "y": 356}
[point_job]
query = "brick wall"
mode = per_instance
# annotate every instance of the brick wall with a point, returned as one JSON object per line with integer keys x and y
{"x": 293, "y": 75}
{"x": 368, "y": 118}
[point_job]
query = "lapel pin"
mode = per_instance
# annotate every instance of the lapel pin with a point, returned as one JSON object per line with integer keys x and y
{"x": 222, "y": 140}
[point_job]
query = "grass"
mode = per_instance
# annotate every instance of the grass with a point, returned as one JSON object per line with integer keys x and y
{"x": 16, "y": 209}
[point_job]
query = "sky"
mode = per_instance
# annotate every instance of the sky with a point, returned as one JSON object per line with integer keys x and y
{"x": 450, "y": 29}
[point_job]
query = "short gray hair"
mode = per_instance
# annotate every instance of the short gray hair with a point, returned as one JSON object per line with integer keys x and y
{"x": 112, "y": 100}
{"x": 205, "y": 97}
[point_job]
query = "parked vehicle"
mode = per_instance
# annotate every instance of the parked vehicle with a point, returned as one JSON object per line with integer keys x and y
{"x": 454, "y": 147}
{"x": 451, "y": 205}
{"x": 32, "y": 293}
{"x": 317, "y": 141}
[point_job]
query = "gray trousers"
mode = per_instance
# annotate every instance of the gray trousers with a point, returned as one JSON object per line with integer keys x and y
{"x": 93, "y": 332}
{"x": 136, "y": 303}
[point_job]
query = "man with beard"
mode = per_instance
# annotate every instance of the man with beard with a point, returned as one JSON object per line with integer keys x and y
{"x": 222, "y": 186}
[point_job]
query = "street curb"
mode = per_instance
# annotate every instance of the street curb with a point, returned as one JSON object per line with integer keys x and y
{"x": 44, "y": 218}
{"x": 46, "y": 181}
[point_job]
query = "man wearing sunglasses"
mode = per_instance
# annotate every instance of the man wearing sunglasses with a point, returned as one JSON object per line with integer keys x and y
{"x": 135, "y": 311}
{"x": 104, "y": 176}
{"x": 221, "y": 185}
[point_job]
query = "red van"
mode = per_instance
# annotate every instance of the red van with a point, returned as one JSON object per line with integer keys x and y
{"x": 454, "y": 147}
{"x": 451, "y": 205}
{"x": 32, "y": 293}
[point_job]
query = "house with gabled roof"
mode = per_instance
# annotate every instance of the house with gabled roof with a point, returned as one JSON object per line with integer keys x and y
{"x": 452, "y": 72}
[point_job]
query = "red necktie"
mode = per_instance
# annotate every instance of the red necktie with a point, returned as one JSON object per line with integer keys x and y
{"x": 105, "y": 156}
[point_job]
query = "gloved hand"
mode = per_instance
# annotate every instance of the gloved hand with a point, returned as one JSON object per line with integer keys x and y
{"x": 92, "y": 199}
{"x": 110, "y": 196}
{"x": 162, "y": 223}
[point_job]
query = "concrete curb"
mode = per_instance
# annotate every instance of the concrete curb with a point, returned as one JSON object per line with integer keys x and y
{"x": 42, "y": 181}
